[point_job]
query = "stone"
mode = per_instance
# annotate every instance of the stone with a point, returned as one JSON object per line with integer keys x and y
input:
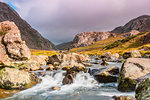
{"x": 55, "y": 88}
{"x": 123, "y": 98}
{"x": 11, "y": 78}
{"x": 104, "y": 63}
{"x": 131, "y": 70}
{"x": 107, "y": 75}
{"x": 132, "y": 54}
{"x": 51, "y": 67}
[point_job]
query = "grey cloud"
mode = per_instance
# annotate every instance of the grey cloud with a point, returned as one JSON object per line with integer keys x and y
{"x": 60, "y": 20}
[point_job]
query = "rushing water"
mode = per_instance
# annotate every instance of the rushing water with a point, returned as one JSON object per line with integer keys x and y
{"x": 84, "y": 87}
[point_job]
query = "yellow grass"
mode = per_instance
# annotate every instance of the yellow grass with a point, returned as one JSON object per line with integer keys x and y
{"x": 43, "y": 52}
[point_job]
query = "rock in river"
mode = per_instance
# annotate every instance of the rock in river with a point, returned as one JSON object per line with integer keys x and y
{"x": 132, "y": 69}
{"x": 106, "y": 75}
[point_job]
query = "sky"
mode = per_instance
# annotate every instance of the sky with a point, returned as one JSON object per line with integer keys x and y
{"x": 60, "y": 20}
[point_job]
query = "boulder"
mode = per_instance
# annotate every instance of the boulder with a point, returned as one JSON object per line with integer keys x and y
{"x": 16, "y": 48}
{"x": 123, "y": 98}
{"x": 131, "y": 70}
{"x": 146, "y": 55}
{"x": 142, "y": 90}
{"x": 71, "y": 73}
{"x": 11, "y": 78}
{"x": 107, "y": 75}
{"x": 132, "y": 54}
{"x": 108, "y": 56}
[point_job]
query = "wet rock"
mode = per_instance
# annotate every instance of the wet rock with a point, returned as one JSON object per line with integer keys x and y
{"x": 142, "y": 90}
{"x": 11, "y": 78}
{"x": 132, "y": 69}
{"x": 104, "y": 63}
{"x": 123, "y": 98}
{"x": 51, "y": 67}
{"x": 68, "y": 79}
{"x": 107, "y": 75}
{"x": 55, "y": 88}
{"x": 132, "y": 54}
{"x": 71, "y": 73}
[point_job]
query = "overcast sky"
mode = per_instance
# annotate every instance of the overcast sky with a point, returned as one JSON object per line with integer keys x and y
{"x": 60, "y": 20}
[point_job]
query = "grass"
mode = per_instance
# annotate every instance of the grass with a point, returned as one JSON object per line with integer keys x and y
{"x": 116, "y": 44}
{"x": 43, "y": 52}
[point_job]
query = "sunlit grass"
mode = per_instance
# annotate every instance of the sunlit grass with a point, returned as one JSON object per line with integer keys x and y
{"x": 125, "y": 45}
{"x": 42, "y": 52}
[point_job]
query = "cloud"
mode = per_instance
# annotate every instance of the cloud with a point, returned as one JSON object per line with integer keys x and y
{"x": 60, "y": 20}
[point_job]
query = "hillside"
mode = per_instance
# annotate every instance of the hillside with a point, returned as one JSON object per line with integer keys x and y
{"x": 64, "y": 46}
{"x": 141, "y": 23}
{"x": 32, "y": 37}
{"x": 118, "y": 44}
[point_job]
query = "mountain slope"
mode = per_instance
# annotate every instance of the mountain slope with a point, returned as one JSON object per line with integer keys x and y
{"x": 64, "y": 46}
{"x": 32, "y": 37}
{"x": 141, "y": 23}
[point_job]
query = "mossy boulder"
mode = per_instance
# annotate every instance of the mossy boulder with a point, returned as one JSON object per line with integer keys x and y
{"x": 107, "y": 75}
{"x": 143, "y": 90}
{"x": 131, "y": 70}
{"x": 12, "y": 78}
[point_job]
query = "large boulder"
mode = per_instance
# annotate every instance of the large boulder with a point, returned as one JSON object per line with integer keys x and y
{"x": 142, "y": 90}
{"x": 132, "y": 69}
{"x": 132, "y": 54}
{"x": 106, "y": 75}
{"x": 11, "y": 78}
{"x": 16, "y": 48}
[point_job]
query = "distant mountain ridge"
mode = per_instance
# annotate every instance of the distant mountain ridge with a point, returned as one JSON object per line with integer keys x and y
{"x": 32, "y": 37}
{"x": 141, "y": 23}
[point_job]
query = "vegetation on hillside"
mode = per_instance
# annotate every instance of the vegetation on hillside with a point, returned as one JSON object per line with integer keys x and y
{"x": 116, "y": 44}
{"x": 43, "y": 52}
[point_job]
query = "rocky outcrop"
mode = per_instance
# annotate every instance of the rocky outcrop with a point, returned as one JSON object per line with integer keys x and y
{"x": 132, "y": 54}
{"x": 12, "y": 47}
{"x": 131, "y": 33}
{"x": 140, "y": 24}
{"x": 15, "y": 47}
{"x": 88, "y": 38}
{"x": 15, "y": 59}
{"x": 132, "y": 69}
{"x": 32, "y": 37}
{"x": 142, "y": 91}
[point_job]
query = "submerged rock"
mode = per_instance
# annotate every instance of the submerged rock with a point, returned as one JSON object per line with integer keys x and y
{"x": 132, "y": 69}
{"x": 107, "y": 75}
